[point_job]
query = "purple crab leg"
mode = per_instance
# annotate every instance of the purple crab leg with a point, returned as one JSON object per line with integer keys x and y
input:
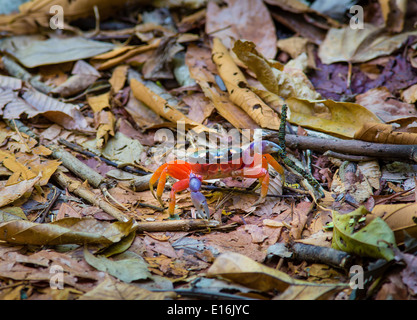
{"x": 198, "y": 199}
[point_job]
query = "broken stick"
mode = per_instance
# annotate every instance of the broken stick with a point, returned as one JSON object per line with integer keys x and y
{"x": 354, "y": 147}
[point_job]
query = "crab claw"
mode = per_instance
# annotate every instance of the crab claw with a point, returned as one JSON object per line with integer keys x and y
{"x": 200, "y": 203}
{"x": 198, "y": 199}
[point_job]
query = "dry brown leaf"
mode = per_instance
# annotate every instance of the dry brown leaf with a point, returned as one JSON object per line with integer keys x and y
{"x": 359, "y": 45}
{"x": 109, "y": 289}
{"x": 142, "y": 114}
{"x": 256, "y": 233}
{"x": 158, "y": 104}
{"x": 201, "y": 68}
{"x": 100, "y": 102}
{"x": 67, "y": 115}
{"x": 65, "y": 231}
{"x": 10, "y": 193}
{"x": 393, "y": 12}
{"x": 243, "y": 270}
{"x": 65, "y": 210}
{"x": 46, "y": 169}
{"x": 35, "y": 14}
{"x": 294, "y": 46}
{"x": 410, "y": 94}
{"x": 118, "y": 78}
{"x": 300, "y": 216}
{"x": 384, "y": 133}
{"x": 120, "y": 55}
{"x": 349, "y": 179}
{"x": 158, "y": 66}
{"x": 383, "y": 104}
{"x": 20, "y": 171}
{"x": 103, "y": 118}
{"x": 83, "y": 75}
{"x": 239, "y": 93}
{"x": 200, "y": 107}
{"x": 399, "y": 217}
{"x": 105, "y": 122}
{"x": 342, "y": 119}
{"x": 255, "y": 107}
{"x": 232, "y": 113}
{"x": 339, "y": 118}
{"x": 407, "y": 124}
{"x": 243, "y": 19}
{"x": 33, "y": 52}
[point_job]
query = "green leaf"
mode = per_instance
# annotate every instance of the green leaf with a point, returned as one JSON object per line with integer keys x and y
{"x": 128, "y": 268}
{"x": 375, "y": 240}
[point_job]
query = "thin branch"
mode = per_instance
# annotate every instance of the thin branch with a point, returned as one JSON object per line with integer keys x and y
{"x": 80, "y": 149}
{"x": 175, "y": 225}
{"x": 353, "y": 147}
{"x": 77, "y": 167}
{"x": 78, "y": 189}
{"x": 311, "y": 253}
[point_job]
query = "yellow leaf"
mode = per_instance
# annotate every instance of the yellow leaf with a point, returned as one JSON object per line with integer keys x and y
{"x": 119, "y": 55}
{"x": 196, "y": 58}
{"x": 33, "y": 14}
{"x": 118, "y": 78}
{"x": 46, "y": 169}
{"x": 10, "y": 193}
{"x": 228, "y": 70}
{"x": 110, "y": 289}
{"x": 158, "y": 104}
{"x": 399, "y": 217}
{"x": 288, "y": 81}
{"x": 20, "y": 171}
{"x": 239, "y": 93}
{"x": 242, "y": 269}
{"x": 65, "y": 231}
{"x": 342, "y": 119}
{"x": 384, "y": 133}
{"x": 41, "y": 151}
{"x": 98, "y": 103}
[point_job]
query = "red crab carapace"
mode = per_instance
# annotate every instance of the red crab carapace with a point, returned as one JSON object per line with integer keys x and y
{"x": 249, "y": 163}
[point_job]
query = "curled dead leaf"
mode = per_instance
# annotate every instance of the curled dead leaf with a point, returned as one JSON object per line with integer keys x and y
{"x": 239, "y": 93}
{"x": 399, "y": 217}
{"x": 65, "y": 231}
{"x": 158, "y": 104}
{"x": 384, "y": 133}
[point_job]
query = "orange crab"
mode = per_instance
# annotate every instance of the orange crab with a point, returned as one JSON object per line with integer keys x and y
{"x": 249, "y": 163}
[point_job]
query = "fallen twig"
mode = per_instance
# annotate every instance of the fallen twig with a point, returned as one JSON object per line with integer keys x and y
{"x": 244, "y": 191}
{"x": 348, "y": 157}
{"x": 306, "y": 252}
{"x": 87, "y": 153}
{"x": 41, "y": 217}
{"x": 354, "y": 147}
{"x": 16, "y": 70}
{"x": 78, "y": 189}
{"x": 175, "y": 225}
{"x": 77, "y": 167}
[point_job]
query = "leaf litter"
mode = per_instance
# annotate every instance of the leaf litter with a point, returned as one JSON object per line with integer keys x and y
{"x": 81, "y": 109}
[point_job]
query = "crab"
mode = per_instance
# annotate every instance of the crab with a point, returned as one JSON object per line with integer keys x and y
{"x": 251, "y": 162}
